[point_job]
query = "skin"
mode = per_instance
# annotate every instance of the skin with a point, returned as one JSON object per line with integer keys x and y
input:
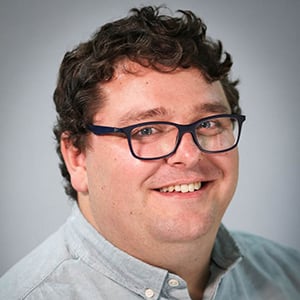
{"x": 119, "y": 194}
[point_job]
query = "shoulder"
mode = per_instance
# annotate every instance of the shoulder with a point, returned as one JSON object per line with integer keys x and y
{"x": 268, "y": 257}
{"x": 253, "y": 245}
{"x": 264, "y": 269}
{"x": 36, "y": 267}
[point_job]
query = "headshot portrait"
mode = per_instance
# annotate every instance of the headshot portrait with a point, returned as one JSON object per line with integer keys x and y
{"x": 150, "y": 149}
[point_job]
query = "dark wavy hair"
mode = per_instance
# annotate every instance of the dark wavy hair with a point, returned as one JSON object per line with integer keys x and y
{"x": 160, "y": 41}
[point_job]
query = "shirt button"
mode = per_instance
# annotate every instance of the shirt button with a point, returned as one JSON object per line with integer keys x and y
{"x": 149, "y": 293}
{"x": 173, "y": 283}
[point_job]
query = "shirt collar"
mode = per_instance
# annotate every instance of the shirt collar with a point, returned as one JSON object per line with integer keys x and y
{"x": 226, "y": 252}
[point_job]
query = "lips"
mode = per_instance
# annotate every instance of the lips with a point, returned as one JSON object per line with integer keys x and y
{"x": 182, "y": 188}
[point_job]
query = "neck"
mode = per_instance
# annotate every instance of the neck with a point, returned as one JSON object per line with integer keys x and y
{"x": 189, "y": 260}
{"x": 194, "y": 268}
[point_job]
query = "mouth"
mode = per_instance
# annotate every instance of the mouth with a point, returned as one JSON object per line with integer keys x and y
{"x": 183, "y": 188}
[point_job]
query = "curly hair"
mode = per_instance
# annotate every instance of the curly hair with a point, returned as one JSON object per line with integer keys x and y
{"x": 148, "y": 37}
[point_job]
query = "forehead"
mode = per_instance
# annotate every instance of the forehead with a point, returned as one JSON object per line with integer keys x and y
{"x": 137, "y": 94}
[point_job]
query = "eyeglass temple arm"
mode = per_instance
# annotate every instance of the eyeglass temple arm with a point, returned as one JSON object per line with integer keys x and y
{"x": 102, "y": 129}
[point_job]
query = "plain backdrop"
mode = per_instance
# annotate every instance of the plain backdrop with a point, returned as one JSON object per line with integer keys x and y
{"x": 263, "y": 38}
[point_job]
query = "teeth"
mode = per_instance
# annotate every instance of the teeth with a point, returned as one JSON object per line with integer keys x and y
{"x": 183, "y": 188}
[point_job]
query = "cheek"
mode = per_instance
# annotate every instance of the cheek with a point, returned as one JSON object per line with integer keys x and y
{"x": 233, "y": 165}
{"x": 113, "y": 172}
{"x": 228, "y": 164}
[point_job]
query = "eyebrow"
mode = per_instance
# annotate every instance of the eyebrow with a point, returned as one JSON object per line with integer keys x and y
{"x": 161, "y": 112}
{"x": 214, "y": 108}
{"x": 138, "y": 116}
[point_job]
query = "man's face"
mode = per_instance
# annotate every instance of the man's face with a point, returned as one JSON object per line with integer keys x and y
{"x": 123, "y": 195}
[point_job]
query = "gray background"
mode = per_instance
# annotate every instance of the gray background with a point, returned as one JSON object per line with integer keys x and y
{"x": 263, "y": 37}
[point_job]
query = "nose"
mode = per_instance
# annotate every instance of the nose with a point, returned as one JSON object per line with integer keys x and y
{"x": 187, "y": 152}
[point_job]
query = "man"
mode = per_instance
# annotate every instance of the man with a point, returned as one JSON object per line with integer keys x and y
{"x": 147, "y": 130}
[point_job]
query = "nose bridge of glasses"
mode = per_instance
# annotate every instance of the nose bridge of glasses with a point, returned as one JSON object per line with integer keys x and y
{"x": 182, "y": 130}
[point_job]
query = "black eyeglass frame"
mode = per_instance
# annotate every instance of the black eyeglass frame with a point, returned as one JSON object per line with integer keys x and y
{"x": 182, "y": 129}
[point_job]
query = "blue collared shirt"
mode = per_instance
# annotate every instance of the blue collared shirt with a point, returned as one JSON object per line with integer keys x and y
{"x": 78, "y": 263}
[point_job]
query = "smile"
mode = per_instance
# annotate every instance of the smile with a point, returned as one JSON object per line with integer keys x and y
{"x": 182, "y": 188}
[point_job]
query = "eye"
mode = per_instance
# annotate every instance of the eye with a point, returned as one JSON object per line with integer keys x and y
{"x": 209, "y": 127}
{"x": 141, "y": 132}
{"x": 207, "y": 124}
{"x": 146, "y": 131}
{"x": 153, "y": 132}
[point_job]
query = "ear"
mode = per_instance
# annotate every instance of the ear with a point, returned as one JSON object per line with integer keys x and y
{"x": 75, "y": 163}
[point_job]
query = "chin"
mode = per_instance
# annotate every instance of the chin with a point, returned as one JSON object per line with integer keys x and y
{"x": 185, "y": 228}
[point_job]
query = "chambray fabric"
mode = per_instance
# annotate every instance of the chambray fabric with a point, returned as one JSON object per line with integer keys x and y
{"x": 78, "y": 263}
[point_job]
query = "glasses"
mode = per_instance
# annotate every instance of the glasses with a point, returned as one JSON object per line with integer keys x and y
{"x": 156, "y": 140}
